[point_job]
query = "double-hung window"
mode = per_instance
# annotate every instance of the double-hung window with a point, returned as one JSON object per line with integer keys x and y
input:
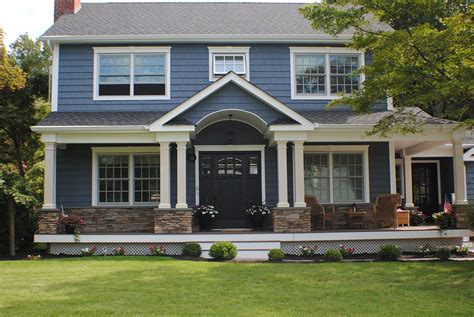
{"x": 228, "y": 59}
{"x": 126, "y": 176}
{"x": 324, "y": 73}
{"x": 123, "y": 73}
{"x": 337, "y": 174}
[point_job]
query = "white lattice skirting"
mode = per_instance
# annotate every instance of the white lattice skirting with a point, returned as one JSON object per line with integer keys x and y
{"x": 108, "y": 248}
{"x": 369, "y": 246}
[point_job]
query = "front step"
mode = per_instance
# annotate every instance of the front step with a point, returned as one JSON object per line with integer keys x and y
{"x": 253, "y": 250}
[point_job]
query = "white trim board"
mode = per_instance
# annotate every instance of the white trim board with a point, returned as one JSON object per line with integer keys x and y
{"x": 255, "y": 237}
{"x": 55, "y": 78}
{"x": 132, "y": 50}
{"x": 330, "y": 149}
{"x": 469, "y": 155}
{"x": 230, "y": 148}
{"x": 305, "y": 124}
{"x": 438, "y": 171}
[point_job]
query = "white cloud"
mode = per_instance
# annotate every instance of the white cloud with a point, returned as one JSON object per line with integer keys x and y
{"x": 36, "y": 16}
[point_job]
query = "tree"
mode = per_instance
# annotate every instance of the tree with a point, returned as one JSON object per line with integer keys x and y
{"x": 24, "y": 73}
{"x": 422, "y": 52}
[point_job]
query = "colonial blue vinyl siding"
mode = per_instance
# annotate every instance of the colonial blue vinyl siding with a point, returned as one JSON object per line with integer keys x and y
{"x": 470, "y": 181}
{"x": 269, "y": 70}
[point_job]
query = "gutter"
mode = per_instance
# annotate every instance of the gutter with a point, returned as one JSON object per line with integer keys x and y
{"x": 89, "y": 128}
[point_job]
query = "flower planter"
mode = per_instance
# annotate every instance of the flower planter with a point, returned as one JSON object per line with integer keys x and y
{"x": 69, "y": 229}
{"x": 257, "y": 221}
{"x": 205, "y": 223}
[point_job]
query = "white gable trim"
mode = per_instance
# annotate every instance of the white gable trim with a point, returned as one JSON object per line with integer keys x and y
{"x": 242, "y": 83}
{"x": 469, "y": 155}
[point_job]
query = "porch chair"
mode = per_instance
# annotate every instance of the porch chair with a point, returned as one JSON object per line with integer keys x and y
{"x": 319, "y": 212}
{"x": 385, "y": 210}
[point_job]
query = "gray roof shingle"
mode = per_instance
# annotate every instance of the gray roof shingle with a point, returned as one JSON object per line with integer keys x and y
{"x": 204, "y": 18}
{"x": 100, "y": 118}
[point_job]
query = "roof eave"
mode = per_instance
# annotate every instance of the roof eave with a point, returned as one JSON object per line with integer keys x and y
{"x": 89, "y": 129}
{"x": 209, "y": 38}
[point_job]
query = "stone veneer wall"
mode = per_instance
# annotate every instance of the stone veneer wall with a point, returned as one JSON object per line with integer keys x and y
{"x": 115, "y": 219}
{"x": 460, "y": 212}
{"x": 174, "y": 221}
{"x": 291, "y": 219}
{"x": 48, "y": 221}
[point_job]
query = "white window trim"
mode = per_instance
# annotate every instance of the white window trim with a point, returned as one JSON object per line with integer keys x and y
{"x": 230, "y": 148}
{"x": 350, "y": 149}
{"x": 323, "y": 51}
{"x": 132, "y": 50}
{"x": 130, "y": 151}
{"x": 228, "y": 50}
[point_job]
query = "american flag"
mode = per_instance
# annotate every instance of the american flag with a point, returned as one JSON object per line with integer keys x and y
{"x": 448, "y": 206}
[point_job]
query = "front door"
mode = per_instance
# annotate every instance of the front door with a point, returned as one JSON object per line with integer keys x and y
{"x": 231, "y": 181}
{"x": 425, "y": 187}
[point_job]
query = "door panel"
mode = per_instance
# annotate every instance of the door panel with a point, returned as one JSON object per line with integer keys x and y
{"x": 230, "y": 181}
{"x": 425, "y": 187}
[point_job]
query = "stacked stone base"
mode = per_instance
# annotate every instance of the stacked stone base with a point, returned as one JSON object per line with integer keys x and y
{"x": 291, "y": 219}
{"x": 461, "y": 214}
{"x": 48, "y": 221}
{"x": 174, "y": 221}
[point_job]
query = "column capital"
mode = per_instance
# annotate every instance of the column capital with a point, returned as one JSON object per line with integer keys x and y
{"x": 180, "y": 145}
{"x": 281, "y": 144}
{"x": 298, "y": 144}
{"x": 164, "y": 144}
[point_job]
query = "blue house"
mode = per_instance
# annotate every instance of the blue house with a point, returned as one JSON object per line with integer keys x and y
{"x": 161, "y": 107}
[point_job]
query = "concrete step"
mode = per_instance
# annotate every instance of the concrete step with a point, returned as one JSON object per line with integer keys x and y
{"x": 246, "y": 250}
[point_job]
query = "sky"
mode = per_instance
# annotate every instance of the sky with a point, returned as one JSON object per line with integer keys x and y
{"x": 34, "y": 17}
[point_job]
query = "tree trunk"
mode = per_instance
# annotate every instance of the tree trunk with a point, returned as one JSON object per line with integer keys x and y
{"x": 11, "y": 226}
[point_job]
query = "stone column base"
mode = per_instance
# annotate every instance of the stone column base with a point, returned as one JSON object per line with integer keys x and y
{"x": 460, "y": 212}
{"x": 48, "y": 220}
{"x": 173, "y": 220}
{"x": 292, "y": 219}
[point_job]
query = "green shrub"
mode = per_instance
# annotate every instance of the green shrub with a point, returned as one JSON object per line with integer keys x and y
{"x": 333, "y": 255}
{"x": 444, "y": 220}
{"x": 389, "y": 252}
{"x": 461, "y": 251}
{"x": 276, "y": 255}
{"x": 443, "y": 253}
{"x": 192, "y": 249}
{"x": 223, "y": 251}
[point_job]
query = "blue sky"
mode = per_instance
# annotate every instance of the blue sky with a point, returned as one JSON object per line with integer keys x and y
{"x": 35, "y": 16}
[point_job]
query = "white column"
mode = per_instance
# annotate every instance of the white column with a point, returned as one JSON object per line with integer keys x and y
{"x": 298, "y": 174}
{"x": 393, "y": 172}
{"x": 282, "y": 174}
{"x": 181, "y": 174}
{"x": 459, "y": 174}
{"x": 408, "y": 182}
{"x": 164, "y": 175}
{"x": 49, "y": 175}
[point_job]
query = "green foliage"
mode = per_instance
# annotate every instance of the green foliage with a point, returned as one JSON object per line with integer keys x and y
{"x": 389, "y": 252}
{"x": 444, "y": 220}
{"x": 461, "y": 251}
{"x": 333, "y": 255}
{"x": 275, "y": 255}
{"x": 12, "y": 77}
{"x": 443, "y": 253}
{"x": 223, "y": 251}
{"x": 421, "y": 57}
{"x": 192, "y": 249}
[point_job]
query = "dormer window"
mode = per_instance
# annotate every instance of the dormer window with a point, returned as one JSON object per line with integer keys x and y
{"x": 228, "y": 59}
{"x": 324, "y": 72}
{"x": 131, "y": 73}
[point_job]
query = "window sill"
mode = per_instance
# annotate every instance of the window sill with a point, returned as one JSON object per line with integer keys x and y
{"x": 125, "y": 98}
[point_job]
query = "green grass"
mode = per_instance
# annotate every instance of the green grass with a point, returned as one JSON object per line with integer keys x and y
{"x": 162, "y": 286}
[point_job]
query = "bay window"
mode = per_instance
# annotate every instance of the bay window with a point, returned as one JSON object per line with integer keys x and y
{"x": 337, "y": 174}
{"x": 124, "y": 73}
{"x": 126, "y": 176}
{"x": 324, "y": 73}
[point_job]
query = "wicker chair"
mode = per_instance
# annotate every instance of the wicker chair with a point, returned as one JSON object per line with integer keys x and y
{"x": 319, "y": 212}
{"x": 385, "y": 210}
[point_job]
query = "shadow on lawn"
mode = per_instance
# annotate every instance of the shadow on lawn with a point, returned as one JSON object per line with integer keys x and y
{"x": 151, "y": 285}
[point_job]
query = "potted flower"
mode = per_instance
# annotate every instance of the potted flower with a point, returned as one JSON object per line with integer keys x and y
{"x": 257, "y": 214}
{"x": 71, "y": 223}
{"x": 206, "y": 215}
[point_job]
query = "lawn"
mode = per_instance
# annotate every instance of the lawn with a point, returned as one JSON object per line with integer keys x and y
{"x": 152, "y": 286}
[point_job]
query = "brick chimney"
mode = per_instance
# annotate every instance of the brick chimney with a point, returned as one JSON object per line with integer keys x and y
{"x": 62, "y": 7}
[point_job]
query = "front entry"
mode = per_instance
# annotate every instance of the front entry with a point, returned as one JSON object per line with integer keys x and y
{"x": 425, "y": 187}
{"x": 231, "y": 181}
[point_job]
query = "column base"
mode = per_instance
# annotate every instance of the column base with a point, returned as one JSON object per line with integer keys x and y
{"x": 300, "y": 205}
{"x": 164, "y": 206}
{"x": 48, "y": 220}
{"x": 283, "y": 205}
{"x": 181, "y": 206}
{"x": 291, "y": 220}
{"x": 174, "y": 220}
